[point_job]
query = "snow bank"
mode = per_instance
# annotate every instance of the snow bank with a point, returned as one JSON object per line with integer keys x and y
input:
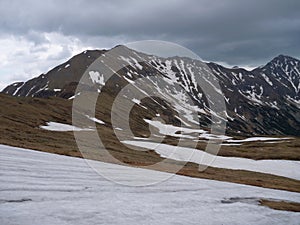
{"x": 54, "y": 126}
{"x": 43, "y": 188}
{"x": 285, "y": 168}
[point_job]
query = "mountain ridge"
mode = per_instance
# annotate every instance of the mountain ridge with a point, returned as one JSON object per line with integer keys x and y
{"x": 92, "y": 52}
{"x": 264, "y": 100}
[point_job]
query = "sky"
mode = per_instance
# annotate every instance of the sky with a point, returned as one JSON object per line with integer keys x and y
{"x": 35, "y": 35}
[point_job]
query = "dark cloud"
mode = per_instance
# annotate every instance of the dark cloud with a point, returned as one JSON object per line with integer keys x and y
{"x": 233, "y": 31}
{"x": 36, "y": 37}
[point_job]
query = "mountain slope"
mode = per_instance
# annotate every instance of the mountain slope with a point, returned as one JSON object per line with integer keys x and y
{"x": 265, "y": 100}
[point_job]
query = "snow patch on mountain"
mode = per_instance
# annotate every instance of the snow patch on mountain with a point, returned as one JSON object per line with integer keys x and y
{"x": 96, "y": 77}
{"x": 54, "y": 126}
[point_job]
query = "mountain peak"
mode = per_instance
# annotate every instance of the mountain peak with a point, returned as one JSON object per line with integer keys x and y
{"x": 270, "y": 92}
{"x": 282, "y": 62}
{"x": 283, "y": 58}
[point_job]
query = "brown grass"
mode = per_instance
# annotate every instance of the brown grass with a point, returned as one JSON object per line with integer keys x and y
{"x": 21, "y": 117}
{"x": 281, "y": 205}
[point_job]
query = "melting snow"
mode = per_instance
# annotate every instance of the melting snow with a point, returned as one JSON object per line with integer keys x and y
{"x": 136, "y": 101}
{"x": 213, "y": 136}
{"x": 284, "y": 168}
{"x": 95, "y": 120}
{"x": 74, "y": 96}
{"x": 258, "y": 139}
{"x": 64, "y": 190}
{"x": 128, "y": 80}
{"x": 54, "y": 126}
{"x": 30, "y": 90}
{"x": 97, "y": 77}
{"x": 168, "y": 129}
{"x": 16, "y": 91}
{"x": 132, "y": 62}
{"x": 267, "y": 79}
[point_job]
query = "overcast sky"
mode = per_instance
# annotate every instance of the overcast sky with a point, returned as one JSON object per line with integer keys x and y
{"x": 37, "y": 35}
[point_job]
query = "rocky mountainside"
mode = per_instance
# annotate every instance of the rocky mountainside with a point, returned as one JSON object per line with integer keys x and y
{"x": 265, "y": 100}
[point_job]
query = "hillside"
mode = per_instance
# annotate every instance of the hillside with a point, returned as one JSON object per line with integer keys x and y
{"x": 264, "y": 101}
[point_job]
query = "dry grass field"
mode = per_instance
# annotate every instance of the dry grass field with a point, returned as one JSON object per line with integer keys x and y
{"x": 21, "y": 117}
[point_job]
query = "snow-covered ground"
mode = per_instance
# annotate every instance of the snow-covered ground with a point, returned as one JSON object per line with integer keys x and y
{"x": 285, "y": 168}
{"x": 43, "y": 188}
{"x": 54, "y": 126}
{"x": 95, "y": 120}
{"x": 259, "y": 139}
{"x": 171, "y": 130}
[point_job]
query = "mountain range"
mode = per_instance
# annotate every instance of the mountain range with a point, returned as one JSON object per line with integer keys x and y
{"x": 263, "y": 101}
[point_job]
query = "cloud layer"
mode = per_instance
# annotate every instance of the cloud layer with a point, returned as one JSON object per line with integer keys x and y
{"x": 36, "y": 35}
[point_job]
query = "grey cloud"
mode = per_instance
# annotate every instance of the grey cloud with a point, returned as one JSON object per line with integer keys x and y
{"x": 234, "y": 31}
{"x": 36, "y": 37}
{"x": 63, "y": 54}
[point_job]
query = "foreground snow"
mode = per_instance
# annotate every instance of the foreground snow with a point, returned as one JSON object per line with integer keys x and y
{"x": 285, "y": 168}
{"x": 42, "y": 188}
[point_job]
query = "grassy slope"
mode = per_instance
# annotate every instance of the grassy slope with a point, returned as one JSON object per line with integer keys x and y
{"x": 21, "y": 117}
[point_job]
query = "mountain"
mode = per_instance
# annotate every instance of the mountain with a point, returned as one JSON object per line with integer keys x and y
{"x": 264, "y": 101}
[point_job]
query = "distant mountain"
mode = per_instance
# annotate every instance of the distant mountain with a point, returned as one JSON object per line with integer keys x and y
{"x": 61, "y": 81}
{"x": 265, "y": 100}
